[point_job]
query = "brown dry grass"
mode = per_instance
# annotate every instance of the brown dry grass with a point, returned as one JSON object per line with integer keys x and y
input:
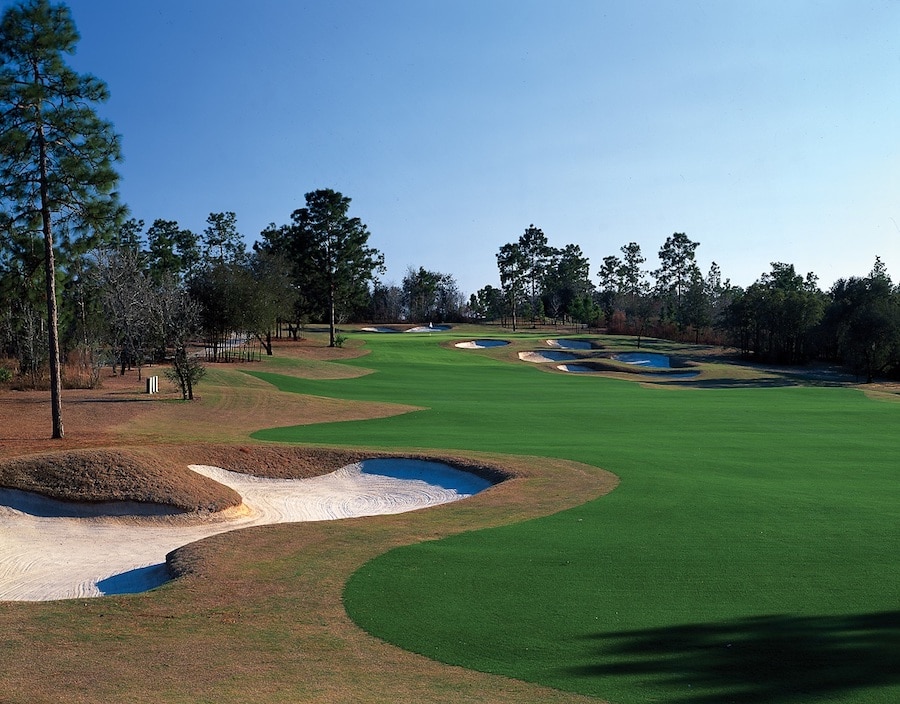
{"x": 129, "y": 474}
{"x": 258, "y": 614}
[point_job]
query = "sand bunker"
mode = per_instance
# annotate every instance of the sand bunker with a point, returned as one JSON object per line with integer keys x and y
{"x": 651, "y": 360}
{"x": 481, "y": 344}
{"x": 575, "y": 368}
{"x": 546, "y": 356}
{"x": 570, "y": 344}
{"x": 49, "y": 553}
{"x": 430, "y": 328}
{"x": 379, "y": 329}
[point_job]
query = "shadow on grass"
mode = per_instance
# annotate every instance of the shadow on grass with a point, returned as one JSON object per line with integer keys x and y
{"x": 140, "y": 579}
{"x": 773, "y": 659}
{"x": 731, "y": 383}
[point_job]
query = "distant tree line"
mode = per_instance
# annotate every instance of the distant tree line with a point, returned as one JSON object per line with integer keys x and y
{"x": 782, "y": 317}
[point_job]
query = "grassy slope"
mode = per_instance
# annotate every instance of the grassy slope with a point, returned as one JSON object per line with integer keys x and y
{"x": 755, "y": 530}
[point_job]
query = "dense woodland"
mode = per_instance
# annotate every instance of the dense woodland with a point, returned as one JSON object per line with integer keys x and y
{"x": 82, "y": 285}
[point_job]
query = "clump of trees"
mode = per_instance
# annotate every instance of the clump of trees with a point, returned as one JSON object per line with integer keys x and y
{"x": 80, "y": 283}
{"x": 332, "y": 263}
{"x": 539, "y": 281}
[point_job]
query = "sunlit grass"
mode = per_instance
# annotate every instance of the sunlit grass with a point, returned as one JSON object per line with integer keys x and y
{"x": 737, "y": 506}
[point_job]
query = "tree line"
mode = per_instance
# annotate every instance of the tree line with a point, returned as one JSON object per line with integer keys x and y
{"x": 82, "y": 283}
{"x": 783, "y": 317}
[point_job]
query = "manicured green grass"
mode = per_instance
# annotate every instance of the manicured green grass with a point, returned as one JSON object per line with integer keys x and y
{"x": 750, "y": 553}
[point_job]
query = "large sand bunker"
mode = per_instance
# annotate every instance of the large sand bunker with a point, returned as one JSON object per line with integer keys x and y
{"x": 52, "y": 550}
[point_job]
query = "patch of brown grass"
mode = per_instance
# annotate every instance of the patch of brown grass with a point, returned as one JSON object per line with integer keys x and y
{"x": 116, "y": 475}
{"x": 229, "y": 406}
{"x": 232, "y": 405}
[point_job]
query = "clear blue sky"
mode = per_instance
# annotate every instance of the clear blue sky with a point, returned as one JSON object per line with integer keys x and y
{"x": 767, "y": 131}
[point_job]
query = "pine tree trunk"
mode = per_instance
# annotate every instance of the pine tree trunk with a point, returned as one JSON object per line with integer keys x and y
{"x": 331, "y": 326}
{"x": 50, "y": 276}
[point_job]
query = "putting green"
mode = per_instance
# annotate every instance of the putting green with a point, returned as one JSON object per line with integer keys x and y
{"x": 749, "y": 553}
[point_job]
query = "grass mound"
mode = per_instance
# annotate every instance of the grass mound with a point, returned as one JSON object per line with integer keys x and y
{"x": 160, "y": 474}
{"x": 285, "y": 462}
{"x": 116, "y": 475}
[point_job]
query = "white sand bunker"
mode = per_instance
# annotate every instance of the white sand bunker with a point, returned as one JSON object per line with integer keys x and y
{"x": 379, "y": 329}
{"x": 574, "y": 368}
{"x": 570, "y": 344}
{"x": 481, "y": 344}
{"x": 50, "y": 550}
{"x": 430, "y": 328}
{"x": 546, "y": 356}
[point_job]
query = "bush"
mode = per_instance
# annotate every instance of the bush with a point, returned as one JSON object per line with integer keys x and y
{"x": 186, "y": 372}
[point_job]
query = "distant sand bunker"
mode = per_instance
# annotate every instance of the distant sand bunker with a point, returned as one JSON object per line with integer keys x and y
{"x": 481, "y": 344}
{"x": 575, "y": 368}
{"x": 571, "y": 344}
{"x": 546, "y": 356}
{"x": 47, "y": 553}
{"x": 430, "y": 328}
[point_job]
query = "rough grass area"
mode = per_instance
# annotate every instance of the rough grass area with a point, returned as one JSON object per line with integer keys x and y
{"x": 258, "y": 615}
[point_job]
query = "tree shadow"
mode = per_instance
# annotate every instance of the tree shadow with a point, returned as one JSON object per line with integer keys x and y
{"x": 773, "y": 659}
{"x": 727, "y": 383}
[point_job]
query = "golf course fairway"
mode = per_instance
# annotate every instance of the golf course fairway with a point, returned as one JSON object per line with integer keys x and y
{"x": 749, "y": 554}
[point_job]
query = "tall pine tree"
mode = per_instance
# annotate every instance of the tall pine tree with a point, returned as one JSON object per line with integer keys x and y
{"x": 332, "y": 260}
{"x": 56, "y": 154}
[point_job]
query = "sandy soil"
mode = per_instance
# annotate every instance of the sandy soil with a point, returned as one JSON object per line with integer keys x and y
{"x": 59, "y": 550}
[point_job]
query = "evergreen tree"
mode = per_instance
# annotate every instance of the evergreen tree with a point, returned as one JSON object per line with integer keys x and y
{"x": 536, "y": 253}
{"x": 172, "y": 250}
{"x": 676, "y": 272}
{"x": 221, "y": 240}
{"x": 513, "y": 266}
{"x": 333, "y": 262}
{"x": 56, "y": 154}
